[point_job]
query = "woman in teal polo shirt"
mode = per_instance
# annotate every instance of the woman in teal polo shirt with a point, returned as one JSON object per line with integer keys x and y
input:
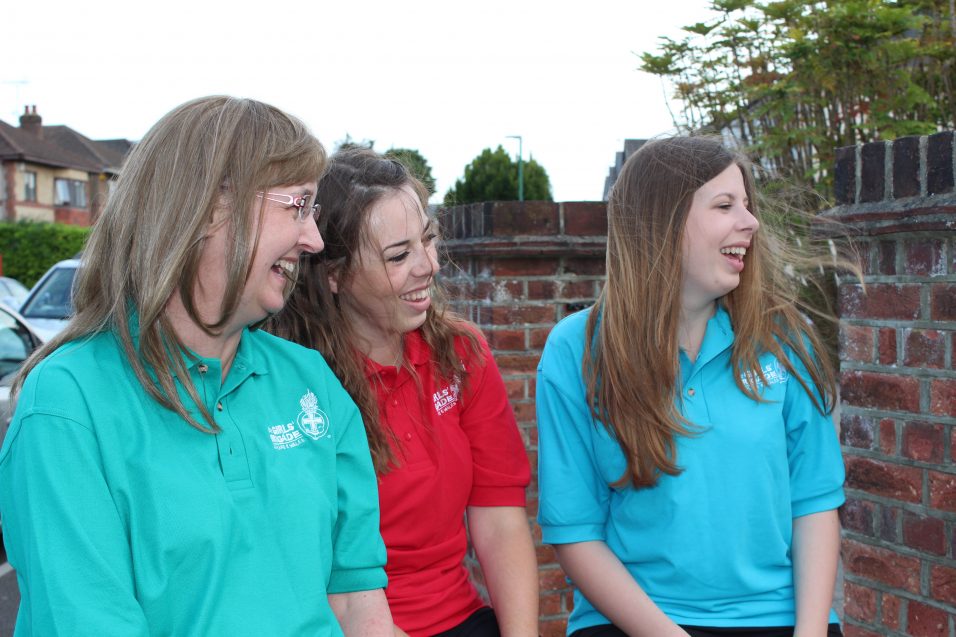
{"x": 170, "y": 469}
{"x": 689, "y": 469}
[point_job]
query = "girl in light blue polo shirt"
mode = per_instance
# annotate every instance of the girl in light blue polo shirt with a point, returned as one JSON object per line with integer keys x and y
{"x": 689, "y": 469}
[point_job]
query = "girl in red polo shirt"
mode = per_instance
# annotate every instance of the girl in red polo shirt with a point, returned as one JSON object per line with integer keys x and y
{"x": 441, "y": 431}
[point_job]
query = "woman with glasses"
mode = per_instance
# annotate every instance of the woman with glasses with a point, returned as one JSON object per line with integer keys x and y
{"x": 171, "y": 469}
{"x": 442, "y": 433}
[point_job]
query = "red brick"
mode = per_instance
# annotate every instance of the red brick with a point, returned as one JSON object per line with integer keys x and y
{"x": 887, "y": 346}
{"x": 924, "y": 534}
{"x": 524, "y": 412}
{"x": 594, "y": 266}
{"x": 510, "y": 218}
{"x": 524, "y": 267}
{"x": 850, "y": 630}
{"x": 516, "y": 389}
{"x": 860, "y": 602}
{"x": 510, "y": 363}
{"x": 886, "y": 258}
{"x": 857, "y": 431}
{"x": 926, "y": 621}
{"x": 942, "y": 583}
{"x": 923, "y": 441}
{"x": 579, "y": 290}
{"x": 550, "y": 604}
{"x": 856, "y": 343}
{"x": 891, "y": 611}
{"x": 943, "y": 302}
{"x": 552, "y": 579}
{"x": 888, "y": 436}
{"x": 884, "y": 479}
{"x": 925, "y": 258}
{"x": 520, "y": 314}
{"x": 890, "y": 524}
{"x": 542, "y": 290}
{"x": 537, "y": 337}
{"x": 942, "y": 491}
{"x": 507, "y": 340}
{"x": 857, "y": 516}
{"x": 585, "y": 218}
{"x": 880, "y": 301}
{"x": 881, "y": 565}
{"x": 952, "y": 451}
{"x": 881, "y": 391}
{"x": 942, "y": 396}
{"x": 546, "y": 555}
{"x": 924, "y": 348}
{"x": 552, "y": 627}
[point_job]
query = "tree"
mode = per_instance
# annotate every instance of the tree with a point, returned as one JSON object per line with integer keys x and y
{"x": 790, "y": 81}
{"x": 416, "y": 164}
{"x": 493, "y": 176}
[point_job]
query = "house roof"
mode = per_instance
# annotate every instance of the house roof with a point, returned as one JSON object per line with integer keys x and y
{"x": 62, "y": 147}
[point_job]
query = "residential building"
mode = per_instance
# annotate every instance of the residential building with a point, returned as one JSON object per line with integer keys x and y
{"x": 53, "y": 173}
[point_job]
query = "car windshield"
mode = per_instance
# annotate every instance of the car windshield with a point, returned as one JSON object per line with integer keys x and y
{"x": 15, "y": 343}
{"x": 54, "y": 300}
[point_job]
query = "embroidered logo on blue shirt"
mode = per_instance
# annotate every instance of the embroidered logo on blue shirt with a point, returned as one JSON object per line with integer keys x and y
{"x": 773, "y": 372}
{"x": 311, "y": 422}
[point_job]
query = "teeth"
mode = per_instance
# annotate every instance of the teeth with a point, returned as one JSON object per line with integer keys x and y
{"x": 421, "y": 295}
{"x": 738, "y": 251}
{"x": 288, "y": 266}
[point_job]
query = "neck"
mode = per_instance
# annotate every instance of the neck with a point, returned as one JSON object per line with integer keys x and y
{"x": 692, "y": 326}
{"x": 387, "y": 354}
{"x": 222, "y": 346}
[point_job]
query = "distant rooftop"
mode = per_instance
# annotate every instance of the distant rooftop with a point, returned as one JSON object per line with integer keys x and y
{"x": 630, "y": 147}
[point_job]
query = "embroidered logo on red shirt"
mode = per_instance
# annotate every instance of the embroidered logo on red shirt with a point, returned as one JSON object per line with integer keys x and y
{"x": 445, "y": 398}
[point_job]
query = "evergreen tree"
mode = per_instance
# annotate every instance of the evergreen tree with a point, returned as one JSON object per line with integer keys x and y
{"x": 493, "y": 176}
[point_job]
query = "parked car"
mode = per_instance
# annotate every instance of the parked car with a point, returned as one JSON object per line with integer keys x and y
{"x": 17, "y": 342}
{"x": 49, "y": 305}
{"x": 12, "y": 292}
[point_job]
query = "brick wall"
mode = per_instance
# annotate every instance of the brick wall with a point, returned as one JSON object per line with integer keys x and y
{"x": 898, "y": 382}
{"x": 517, "y": 269}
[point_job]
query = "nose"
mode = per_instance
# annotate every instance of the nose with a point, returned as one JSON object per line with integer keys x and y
{"x": 748, "y": 222}
{"x": 309, "y": 237}
{"x": 427, "y": 263}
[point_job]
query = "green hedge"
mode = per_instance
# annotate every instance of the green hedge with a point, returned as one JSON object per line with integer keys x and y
{"x": 29, "y": 248}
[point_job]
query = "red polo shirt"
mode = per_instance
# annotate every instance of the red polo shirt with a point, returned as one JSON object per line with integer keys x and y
{"x": 458, "y": 449}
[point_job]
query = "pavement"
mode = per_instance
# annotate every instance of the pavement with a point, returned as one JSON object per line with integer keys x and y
{"x": 9, "y": 596}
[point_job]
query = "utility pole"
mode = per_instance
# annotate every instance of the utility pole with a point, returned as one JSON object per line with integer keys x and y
{"x": 520, "y": 171}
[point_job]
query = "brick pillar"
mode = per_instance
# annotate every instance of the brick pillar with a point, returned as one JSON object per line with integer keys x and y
{"x": 516, "y": 269}
{"x": 898, "y": 385}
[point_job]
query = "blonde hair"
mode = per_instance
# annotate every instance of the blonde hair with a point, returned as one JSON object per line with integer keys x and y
{"x": 357, "y": 179}
{"x": 202, "y": 155}
{"x": 631, "y": 362}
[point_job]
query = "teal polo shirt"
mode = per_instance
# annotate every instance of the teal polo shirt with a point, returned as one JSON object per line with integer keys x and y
{"x": 122, "y": 519}
{"x": 711, "y": 546}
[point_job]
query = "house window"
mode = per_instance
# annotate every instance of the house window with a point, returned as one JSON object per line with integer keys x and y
{"x": 70, "y": 193}
{"x": 29, "y": 186}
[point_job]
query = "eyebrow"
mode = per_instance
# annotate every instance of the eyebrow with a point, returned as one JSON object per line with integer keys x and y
{"x": 405, "y": 242}
{"x": 745, "y": 199}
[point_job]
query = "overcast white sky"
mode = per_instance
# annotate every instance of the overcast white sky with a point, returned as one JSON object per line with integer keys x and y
{"x": 446, "y": 77}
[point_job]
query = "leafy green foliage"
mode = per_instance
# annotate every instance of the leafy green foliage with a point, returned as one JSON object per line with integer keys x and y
{"x": 493, "y": 176}
{"x": 791, "y": 81}
{"x": 416, "y": 164}
{"x": 30, "y": 248}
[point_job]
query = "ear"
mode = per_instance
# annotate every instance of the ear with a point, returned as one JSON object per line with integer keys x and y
{"x": 334, "y": 281}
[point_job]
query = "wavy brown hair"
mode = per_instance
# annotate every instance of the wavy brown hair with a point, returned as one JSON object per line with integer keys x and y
{"x": 631, "y": 362}
{"x": 356, "y": 180}
{"x": 146, "y": 245}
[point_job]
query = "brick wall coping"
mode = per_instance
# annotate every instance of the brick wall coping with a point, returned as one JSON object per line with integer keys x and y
{"x": 527, "y": 246}
{"x": 891, "y": 217}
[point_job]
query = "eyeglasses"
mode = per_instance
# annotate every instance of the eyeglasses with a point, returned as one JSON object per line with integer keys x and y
{"x": 304, "y": 204}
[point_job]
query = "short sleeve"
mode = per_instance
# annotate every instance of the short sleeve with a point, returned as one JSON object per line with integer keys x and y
{"x": 358, "y": 552}
{"x": 500, "y": 471}
{"x": 813, "y": 449}
{"x": 573, "y": 495}
{"x": 62, "y": 531}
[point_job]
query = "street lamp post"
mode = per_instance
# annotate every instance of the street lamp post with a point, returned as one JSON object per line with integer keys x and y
{"x": 520, "y": 171}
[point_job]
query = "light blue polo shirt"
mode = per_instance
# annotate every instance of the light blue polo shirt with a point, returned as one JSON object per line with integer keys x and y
{"x": 122, "y": 519}
{"x": 711, "y": 546}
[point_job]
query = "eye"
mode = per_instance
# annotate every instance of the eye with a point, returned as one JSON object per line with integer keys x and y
{"x": 428, "y": 238}
{"x": 398, "y": 258}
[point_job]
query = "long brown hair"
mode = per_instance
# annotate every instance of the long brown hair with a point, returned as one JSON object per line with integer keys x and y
{"x": 147, "y": 243}
{"x": 357, "y": 179}
{"x": 631, "y": 362}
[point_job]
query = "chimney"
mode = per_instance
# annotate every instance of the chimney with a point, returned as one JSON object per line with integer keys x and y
{"x": 31, "y": 122}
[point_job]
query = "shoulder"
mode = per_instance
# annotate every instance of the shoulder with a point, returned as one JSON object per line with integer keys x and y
{"x": 568, "y": 337}
{"x": 278, "y": 352}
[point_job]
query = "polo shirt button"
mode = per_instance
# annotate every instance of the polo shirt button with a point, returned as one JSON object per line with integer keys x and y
{"x": 395, "y": 402}
{"x": 408, "y": 436}
{"x": 690, "y": 392}
{"x": 203, "y": 368}
{"x": 219, "y": 405}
